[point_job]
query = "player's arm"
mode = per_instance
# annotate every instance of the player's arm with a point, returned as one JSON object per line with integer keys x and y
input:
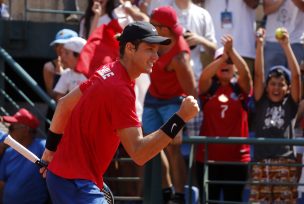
{"x": 141, "y": 149}
{"x": 63, "y": 110}
{"x": 62, "y": 113}
{"x": 181, "y": 65}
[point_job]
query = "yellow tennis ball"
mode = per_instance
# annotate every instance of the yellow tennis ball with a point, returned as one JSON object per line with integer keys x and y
{"x": 279, "y": 33}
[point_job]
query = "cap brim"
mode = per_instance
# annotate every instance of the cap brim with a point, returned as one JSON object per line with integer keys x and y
{"x": 60, "y": 41}
{"x": 157, "y": 40}
{"x": 9, "y": 119}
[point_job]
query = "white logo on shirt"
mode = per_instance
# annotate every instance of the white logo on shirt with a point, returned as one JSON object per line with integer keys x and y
{"x": 105, "y": 73}
{"x": 274, "y": 117}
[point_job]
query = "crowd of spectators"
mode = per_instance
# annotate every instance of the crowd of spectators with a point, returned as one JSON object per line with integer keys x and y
{"x": 221, "y": 57}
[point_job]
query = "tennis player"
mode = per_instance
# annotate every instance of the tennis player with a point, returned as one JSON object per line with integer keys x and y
{"x": 91, "y": 121}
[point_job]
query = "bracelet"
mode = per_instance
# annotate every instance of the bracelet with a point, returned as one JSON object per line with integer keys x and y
{"x": 52, "y": 141}
{"x": 173, "y": 126}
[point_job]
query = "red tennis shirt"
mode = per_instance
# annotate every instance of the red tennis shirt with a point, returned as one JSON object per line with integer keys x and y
{"x": 90, "y": 140}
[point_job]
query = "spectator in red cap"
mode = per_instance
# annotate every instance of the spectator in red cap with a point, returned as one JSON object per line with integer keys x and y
{"x": 20, "y": 180}
{"x": 22, "y": 117}
{"x": 172, "y": 79}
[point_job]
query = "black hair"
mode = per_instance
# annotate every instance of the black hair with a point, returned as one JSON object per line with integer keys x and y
{"x": 122, "y": 46}
{"x": 110, "y": 6}
{"x": 277, "y": 73}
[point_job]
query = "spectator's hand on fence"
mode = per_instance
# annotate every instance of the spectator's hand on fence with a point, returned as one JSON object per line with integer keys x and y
{"x": 189, "y": 108}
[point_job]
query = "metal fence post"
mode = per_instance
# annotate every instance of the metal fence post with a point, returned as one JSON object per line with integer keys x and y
{"x": 152, "y": 181}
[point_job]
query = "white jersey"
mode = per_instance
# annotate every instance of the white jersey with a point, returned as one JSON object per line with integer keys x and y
{"x": 68, "y": 80}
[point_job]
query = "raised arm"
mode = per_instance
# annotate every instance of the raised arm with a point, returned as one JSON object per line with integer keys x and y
{"x": 259, "y": 76}
{"x": 210, "y": 71}
{"x": 97, "y": 10}
{"x": 135, "y": 12}
{"x": 295, "y": 89}
{"x": 141, "y": 149}
{"x": 244, "y": 79}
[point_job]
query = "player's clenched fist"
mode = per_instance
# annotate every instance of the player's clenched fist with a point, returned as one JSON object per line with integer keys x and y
{"x": 188, "y": 109}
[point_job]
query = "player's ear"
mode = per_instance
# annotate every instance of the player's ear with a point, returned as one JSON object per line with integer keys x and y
{"x": 130, "y": 47}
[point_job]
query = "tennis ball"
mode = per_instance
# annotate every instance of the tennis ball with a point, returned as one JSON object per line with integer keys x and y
{"x": 279, "y": 33}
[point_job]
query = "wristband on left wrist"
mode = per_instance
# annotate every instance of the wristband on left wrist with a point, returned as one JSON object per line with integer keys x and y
{"x": 52, "y": 141}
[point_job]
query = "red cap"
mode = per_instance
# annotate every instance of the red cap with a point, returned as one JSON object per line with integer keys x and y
{"x": 166, "y": 15}
{"x": 24, "y": 117}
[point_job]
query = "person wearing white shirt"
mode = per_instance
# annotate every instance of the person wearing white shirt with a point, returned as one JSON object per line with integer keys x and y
{"x": 238, "y": 19}
{"x": 70, "y": 79}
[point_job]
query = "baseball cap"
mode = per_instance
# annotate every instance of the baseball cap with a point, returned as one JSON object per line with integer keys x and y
{"x": 166, "y": 15}
{"x": 75, "y": 44}
{"x": 279, "y": 69}
{"x": 219, "y": 52}
{"x": 24, "y": 117}
{"x": 63, "y": 35}
{"x": 140, "y": 30}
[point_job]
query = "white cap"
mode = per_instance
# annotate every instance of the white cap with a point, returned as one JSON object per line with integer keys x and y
{"x": 75, "y": 44}
{"x": 219, "y": 52}
{"x": 63, "y": 35}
